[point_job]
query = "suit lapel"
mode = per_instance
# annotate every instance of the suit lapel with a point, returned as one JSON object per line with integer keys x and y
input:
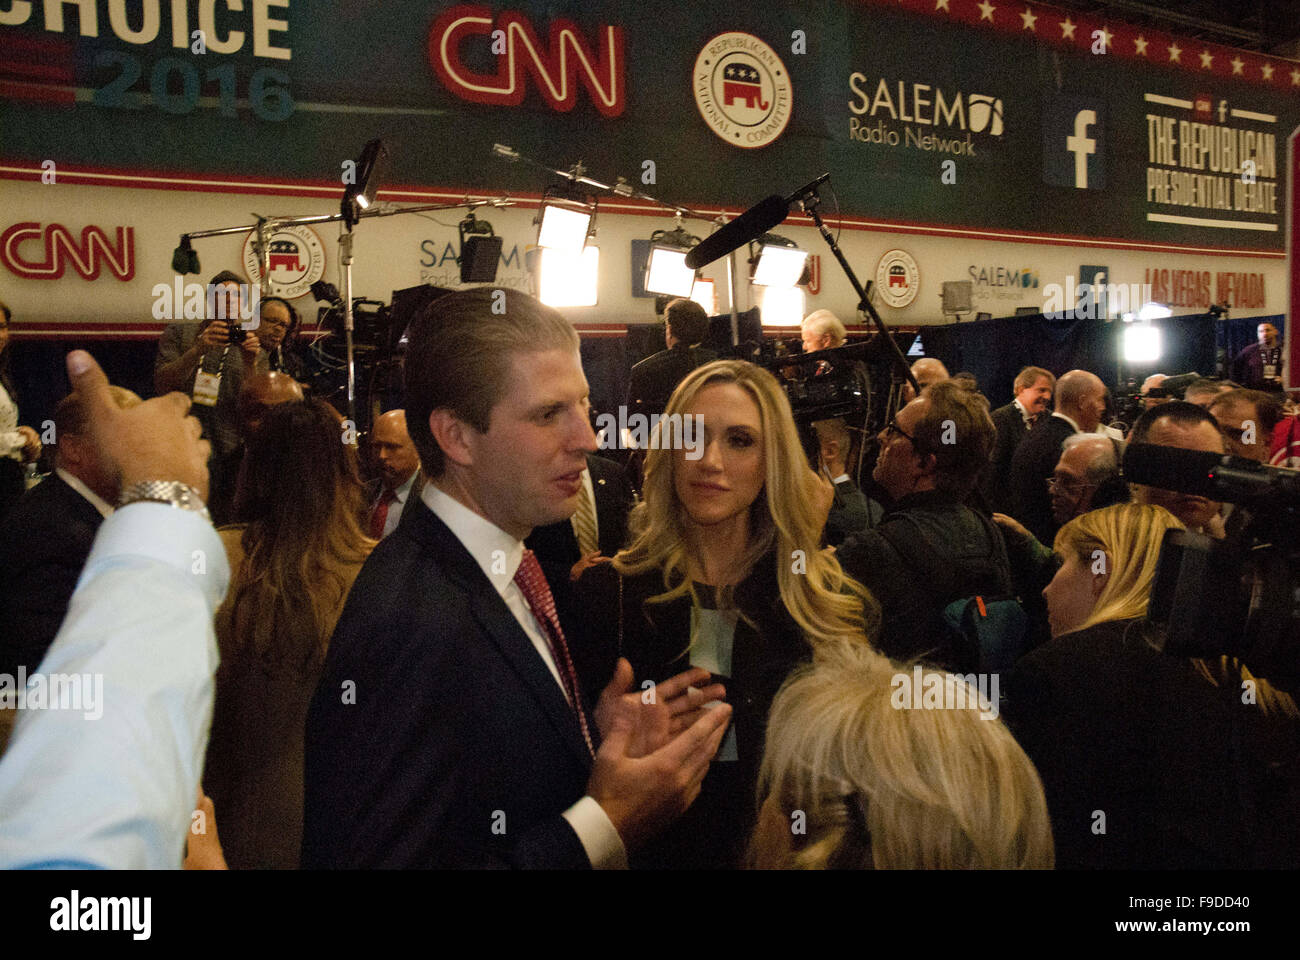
{"x": 500, "y": 625}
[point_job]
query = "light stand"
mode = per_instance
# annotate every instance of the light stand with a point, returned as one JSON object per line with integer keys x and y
{"x": 810, "y": 199}
{"x": 265, "y": 227}
{"x": 577, "y": 177}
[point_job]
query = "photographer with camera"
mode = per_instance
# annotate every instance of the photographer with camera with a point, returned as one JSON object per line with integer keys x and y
{"x": 208, "y": 361}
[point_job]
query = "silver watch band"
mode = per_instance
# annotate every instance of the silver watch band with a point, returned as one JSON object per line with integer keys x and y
{"x": 173, "y": 492}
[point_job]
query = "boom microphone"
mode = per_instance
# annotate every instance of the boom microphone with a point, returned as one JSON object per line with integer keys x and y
{"x": 750, "y": 225}
{"x": 1209, "y": 475}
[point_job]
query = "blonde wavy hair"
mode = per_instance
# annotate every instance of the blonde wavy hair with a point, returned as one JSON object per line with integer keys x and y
{"x": 1129, "y": 534}
{"x": 827, "y": 605}
{"x": 882, "y": 787}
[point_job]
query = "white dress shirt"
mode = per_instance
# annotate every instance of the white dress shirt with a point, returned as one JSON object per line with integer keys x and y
{"x": 105, "y": 509}
{"x": 395, "y": 508}
{"x": 118, "y": 792}
{"x": 1069, "y": 420}
{"x": 1025, "y": 415}
{"x": 498, "y": 555}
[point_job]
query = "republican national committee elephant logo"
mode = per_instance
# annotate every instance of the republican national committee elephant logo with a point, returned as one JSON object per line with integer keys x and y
{"x": 742, "y": 90}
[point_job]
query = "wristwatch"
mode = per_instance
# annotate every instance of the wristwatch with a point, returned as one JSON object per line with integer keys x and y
{"x": 178, "y": 494}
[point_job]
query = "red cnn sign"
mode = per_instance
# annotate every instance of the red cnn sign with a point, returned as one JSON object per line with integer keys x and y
{"x": 61, "y": 247}
{"x": 556, "y": 68}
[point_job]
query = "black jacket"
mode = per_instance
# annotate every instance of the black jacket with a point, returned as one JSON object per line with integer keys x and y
{"x": 1011, "y": 430}
{"x": 1032, "y": 466}
{"x": 655, "y": 377}
{"x": 927, "y": 551}
{"x": 456, "y": 747}
{"x": 556, "y": 544}
{"x": 46, "y": 540}
{"x": 1178, "y": 767}
{"x": 655, "y": 638}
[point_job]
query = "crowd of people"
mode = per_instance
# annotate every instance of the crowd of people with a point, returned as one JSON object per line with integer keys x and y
{"x": 504, "y": 650}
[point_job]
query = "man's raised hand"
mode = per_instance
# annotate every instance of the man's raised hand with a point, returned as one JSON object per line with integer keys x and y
{"x": 153, "y": 441}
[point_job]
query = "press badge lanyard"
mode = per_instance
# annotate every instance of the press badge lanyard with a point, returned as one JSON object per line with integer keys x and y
{"x": 208, "y": 385}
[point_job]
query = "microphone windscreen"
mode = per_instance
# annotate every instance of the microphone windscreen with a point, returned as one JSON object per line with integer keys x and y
{"x": 1172, "y": 468}
{"x": 750, "y": 225}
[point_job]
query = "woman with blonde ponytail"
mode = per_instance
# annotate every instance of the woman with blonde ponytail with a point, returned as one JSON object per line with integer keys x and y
{"x": 725, "y": 571}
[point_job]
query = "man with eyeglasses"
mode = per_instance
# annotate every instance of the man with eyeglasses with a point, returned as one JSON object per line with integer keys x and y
{"x": 1087, "y": 462}
{"x": 929, "y": 548}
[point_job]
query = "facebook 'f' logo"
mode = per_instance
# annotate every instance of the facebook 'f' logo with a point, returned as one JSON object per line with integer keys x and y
{"x": 1074, "y": 146}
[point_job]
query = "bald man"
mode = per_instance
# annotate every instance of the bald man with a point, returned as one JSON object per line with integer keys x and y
{"x": 257, "y": 394}
{"x": 399, "y": 467}
{"x": 927, "y": 370}
{"x": 1080, "y": 404}
{"x": 261, "y": 392}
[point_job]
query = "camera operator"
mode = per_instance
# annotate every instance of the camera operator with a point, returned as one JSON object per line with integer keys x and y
{"x": 1178, "y": 423}
{"x": 207, "y": 361}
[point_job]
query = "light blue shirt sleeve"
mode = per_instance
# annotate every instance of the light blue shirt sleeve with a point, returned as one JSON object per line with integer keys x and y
{"x": 113, "y": 784}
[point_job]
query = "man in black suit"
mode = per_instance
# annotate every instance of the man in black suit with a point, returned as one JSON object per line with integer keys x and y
{"x": 600, "y": 520}
{"x": 48, "y": 537}
{"x": 655, "y": 377}
{"x": 1033, "y": 387}
{"x": 449, "y": 729}
{"x": 1080, "y": 403}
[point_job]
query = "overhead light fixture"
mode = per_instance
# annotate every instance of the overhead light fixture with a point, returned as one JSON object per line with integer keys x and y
{"x": 185, "y": 259}
{"x": 666, "y": 271}
{"x": 480, "y": 251}
{"x": 367, "y": 174}
{"x": 567, "y": 279}
{"x": 565, "y": 219}
{"x": 778, "y": 262}
{"x": 1141, "y": 343}
{"x": 782, "y": 306}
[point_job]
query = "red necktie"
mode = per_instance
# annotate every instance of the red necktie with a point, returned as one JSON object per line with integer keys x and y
{"x": 537, "y": 592}
{"x": 379, "y": 516}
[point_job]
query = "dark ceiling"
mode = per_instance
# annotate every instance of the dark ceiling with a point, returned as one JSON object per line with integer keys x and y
{"x": 1267, "y": 26}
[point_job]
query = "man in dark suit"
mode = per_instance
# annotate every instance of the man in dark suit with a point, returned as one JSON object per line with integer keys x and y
{"x": 48, "y": 536}
{"x": 1033, "y": 396}
{"x": 1080, "y": 402}
{"x": 596, "y": 531}
{"x": 1259, "y": 366}
{"x": 655, "y": 377}
{"x": 449, "y": 729}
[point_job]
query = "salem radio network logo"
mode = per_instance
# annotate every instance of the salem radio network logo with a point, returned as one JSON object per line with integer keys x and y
{"x": 742, "y": 90}
{"x": 297, "y": 260}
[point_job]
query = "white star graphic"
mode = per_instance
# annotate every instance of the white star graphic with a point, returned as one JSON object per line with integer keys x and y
{"x": 1067, "y": 29}
{"x": 1141, "y": 44}
{"x": 1175, "y": 52}
{"x": 1206, "y": 59}
{"x": 1236, "y": 64}
{"x": 1107, "y": 36}
{"x": 1295, "y": 78}
{"x": 986, "y": 11}
{"x": 1029, "y": 18}
{"x": 1267, "y": 71}
{"x": 941, "y": 5}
